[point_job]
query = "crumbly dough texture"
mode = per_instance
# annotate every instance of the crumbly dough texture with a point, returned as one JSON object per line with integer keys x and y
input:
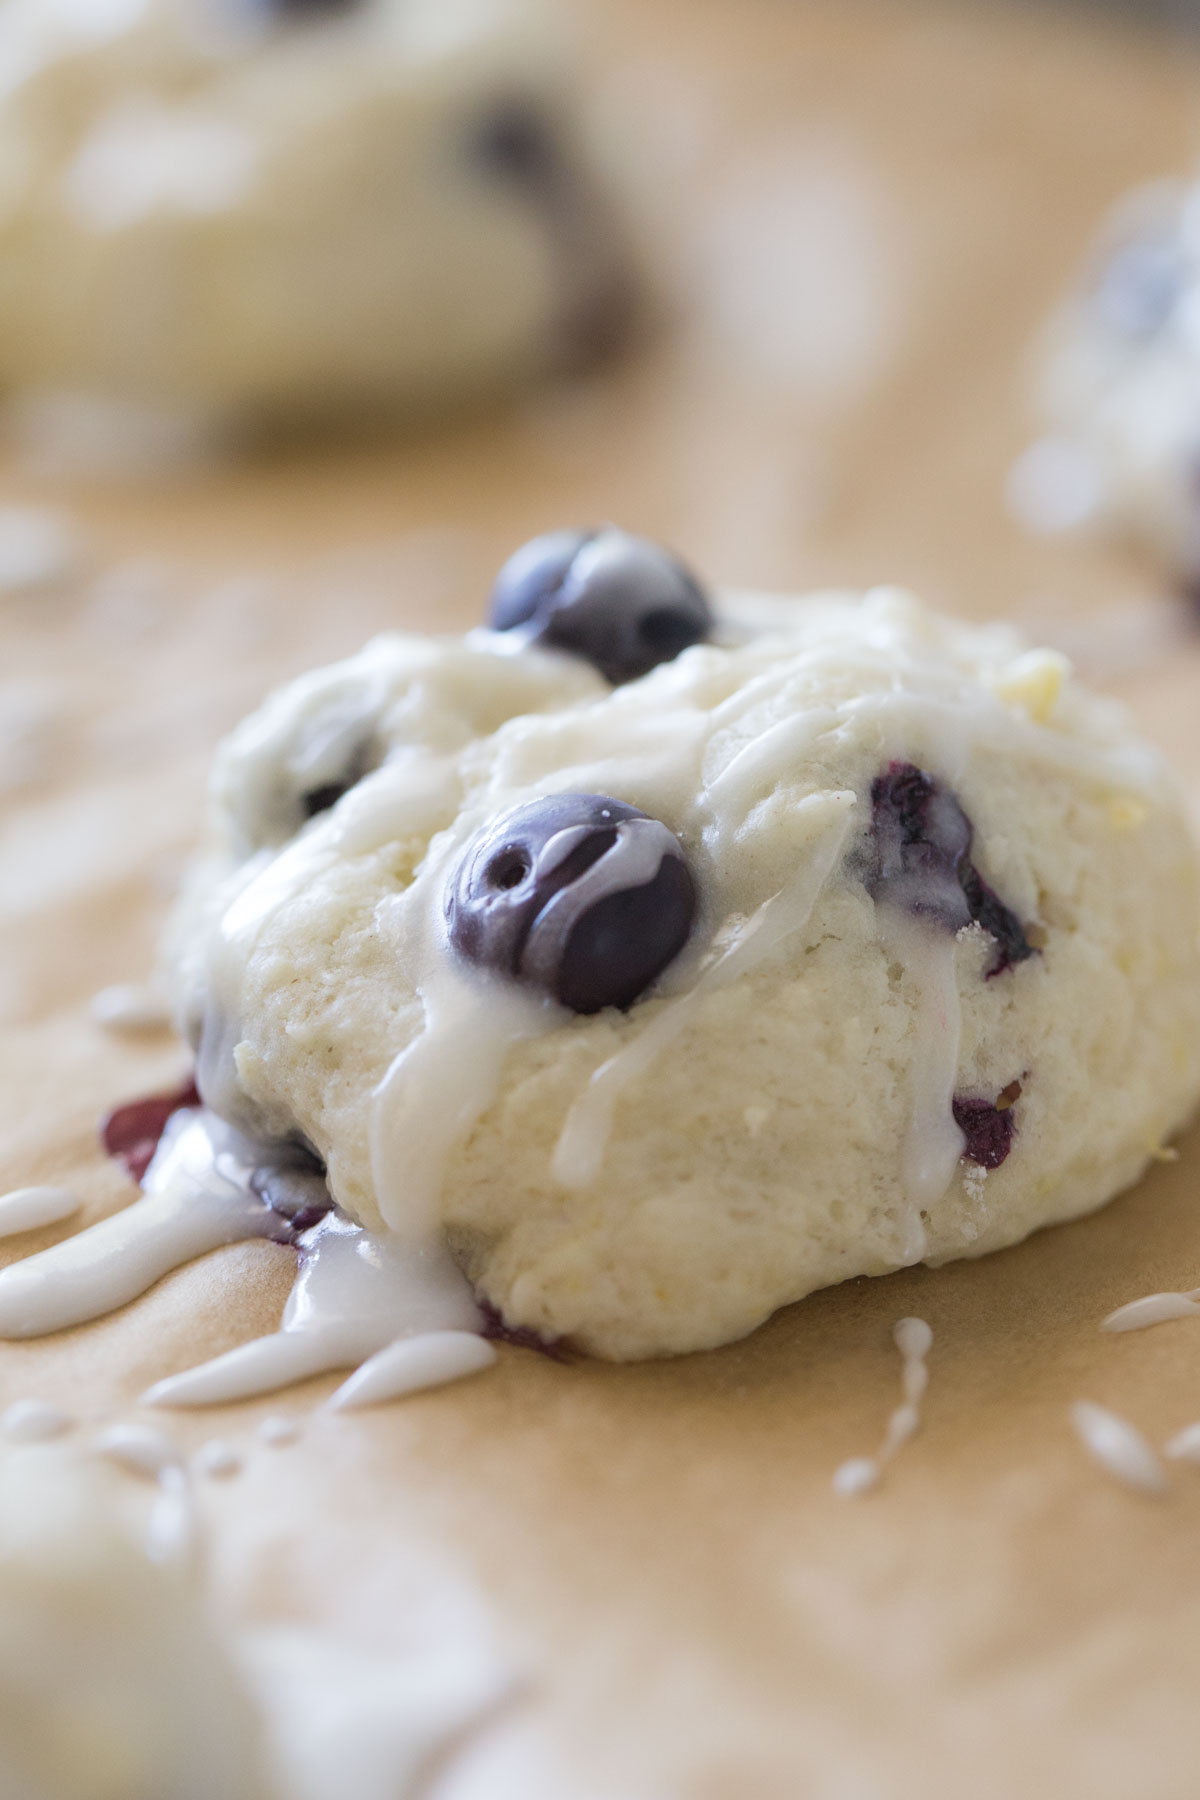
{"x": 1119, "y": 373}
{"x": 758, "y": 1154}
{"x": 210, "y": 209}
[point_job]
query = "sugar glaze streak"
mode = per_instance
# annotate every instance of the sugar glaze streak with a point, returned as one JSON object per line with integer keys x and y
{"x": 399, "y": 1314}
{"x": 860, "y": 1474}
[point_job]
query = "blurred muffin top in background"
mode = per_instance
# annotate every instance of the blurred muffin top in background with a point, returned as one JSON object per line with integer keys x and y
{"x": 223, "y": 215}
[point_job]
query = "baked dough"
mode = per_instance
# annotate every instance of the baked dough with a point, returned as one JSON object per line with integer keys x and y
{"x": 942, "y": 987}
{"x": 258, "y": 210}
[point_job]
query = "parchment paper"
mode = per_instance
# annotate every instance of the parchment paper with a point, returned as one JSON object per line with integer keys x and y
{"x": 871, "y": 206}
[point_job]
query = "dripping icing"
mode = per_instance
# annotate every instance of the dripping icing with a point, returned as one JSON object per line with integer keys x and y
{"x": 357, "y": 1294}
{"x": 913, "y": 1338}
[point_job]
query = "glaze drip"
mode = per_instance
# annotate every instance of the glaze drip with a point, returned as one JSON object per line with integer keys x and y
{"x": 399, "y": 1313}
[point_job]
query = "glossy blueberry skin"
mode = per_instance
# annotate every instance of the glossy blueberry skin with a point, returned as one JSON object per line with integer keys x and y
{"x": 622, "y": 603}
{"x": 577, "y": 896}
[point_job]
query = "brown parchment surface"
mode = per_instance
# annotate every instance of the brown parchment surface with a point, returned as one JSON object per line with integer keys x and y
{"x": 699, "y": 1615}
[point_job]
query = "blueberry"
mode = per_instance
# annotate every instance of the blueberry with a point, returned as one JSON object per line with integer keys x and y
{"x": 621, "y": 602}
{"x": 987, "y": 1126}
{"x": 518, "y": 144}
{"x": 919, "y": 858}
{"x": 353, "y": 766}
{"x": 576, "y": 895}
{"x": 320, "y": 799}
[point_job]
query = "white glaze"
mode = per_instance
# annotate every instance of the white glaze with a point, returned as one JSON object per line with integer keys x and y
{"x": 197, "y": 1198}
{"x": 1118, "y": 1447}
{"x": 913, "y": 1338}
{"x": 142, "y": 1449}
{"x": 218, "y": 1458}
{"x": 414, "y": 1363}
{"x": 33, "y": 1422}
{"x": 1153, "y": 1309}
{"x": 356, "y": 1293}
{"x": 440, "y": 1085}
{"x": 278, "y": 1430}
{"x": 1185, "y": 1445}
{"x": 30, "y": 1208}
{"x": 171, "y": 1533}
{"x": 858, "y": 1475}
{"x": 130, "y": 1006}
{"x": 933, "y": 1143}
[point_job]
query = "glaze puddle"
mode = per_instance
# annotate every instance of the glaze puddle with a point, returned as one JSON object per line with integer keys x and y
{"x": 400, "y": 1314}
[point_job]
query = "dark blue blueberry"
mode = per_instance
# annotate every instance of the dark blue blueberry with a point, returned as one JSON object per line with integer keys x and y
{"x": 622, "y": 603}
{"x": 987, "y": 1126}
{"x": 576, "y": 895}
{"x": 517, "y": 143}
{"x": 320, "y": 799}
{"x": 326, "y": 794}
{"x": 919, "y": 858}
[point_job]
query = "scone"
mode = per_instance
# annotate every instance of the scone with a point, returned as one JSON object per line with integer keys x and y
{"x": 261, "y": 211}
{"x": 651, "y": 965}
{"x": 1119, "y": 385}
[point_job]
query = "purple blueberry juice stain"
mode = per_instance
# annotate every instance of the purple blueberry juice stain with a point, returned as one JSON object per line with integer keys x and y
{"x": 130, "y": 1134}
{"x": 919, "y": 859}
{"x": 524, "y": 1337}
{"x": 987, "y": 1125}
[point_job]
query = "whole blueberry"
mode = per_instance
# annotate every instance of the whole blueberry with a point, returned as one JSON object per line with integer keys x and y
{"x": 621, "y": 602}
{"x": 577, "y": 895}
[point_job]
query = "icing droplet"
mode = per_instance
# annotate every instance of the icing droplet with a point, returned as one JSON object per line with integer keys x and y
{"x": 414, "y": 1363}
{"x": 218, "y": 1458}
{"x": 1185, "y": 1445}
{"x": 140, "y": 1449}
{"x": 1118, "y": 1447}
{"x": 278, "y": 1430}
{"x": 129, "y": 1006}
{"x": 914, "y": 1340}
{"x": 1152, "y": 1309}
{"x": 857, "y": 1476}
{"x": 33, "y": 1422}
{"x": 29, "y": 1208}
